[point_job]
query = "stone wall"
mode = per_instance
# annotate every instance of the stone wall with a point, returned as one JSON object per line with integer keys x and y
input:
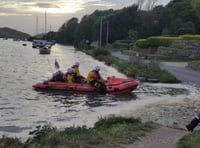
{"x": 181, "y": 50}
{"x": 186, "y": 44}
{"x": 179, "y": 54}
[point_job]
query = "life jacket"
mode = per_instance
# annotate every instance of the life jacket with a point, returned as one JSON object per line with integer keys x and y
{"x": 65, "y": 77}
{"x": 96, "y": 75}
{"x": 75, "y": 71}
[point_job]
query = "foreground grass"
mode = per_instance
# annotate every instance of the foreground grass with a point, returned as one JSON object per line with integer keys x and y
{"x": 107, "y": 132}
{"x": 191, "y": 140}
{"x": 133, "y": 69}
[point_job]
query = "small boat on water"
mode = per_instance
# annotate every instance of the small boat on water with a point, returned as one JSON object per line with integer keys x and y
{"x": 42, "y": 43}
{"x": 45, "y": 50}
{"x": 38, "y": 43}
{"x": 114, "y": 86}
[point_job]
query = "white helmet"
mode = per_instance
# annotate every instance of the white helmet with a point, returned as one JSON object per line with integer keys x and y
{"x": 98, "y": 68}
{"x": 70, "y": 70}
{"x": 77, "y": 64}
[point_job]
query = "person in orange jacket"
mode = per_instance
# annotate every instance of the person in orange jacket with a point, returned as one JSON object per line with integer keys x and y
{"x": 68, "y": 76}
{"x": 95, "y": 79}
{"x": 78, "y": 78}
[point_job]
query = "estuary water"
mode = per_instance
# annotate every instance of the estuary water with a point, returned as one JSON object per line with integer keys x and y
{"x": 22, "y": 109}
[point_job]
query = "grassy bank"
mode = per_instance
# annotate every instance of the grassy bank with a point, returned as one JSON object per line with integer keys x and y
{"x": 107, "y": 132}
{"x": 196, "y": 62}
{"x": 133, "y": 69}
{"x": 190, "y": 140}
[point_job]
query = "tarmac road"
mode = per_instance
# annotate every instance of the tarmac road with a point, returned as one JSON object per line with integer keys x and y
{"x": 178, "y": 69}
{"x": 181, "y": 72}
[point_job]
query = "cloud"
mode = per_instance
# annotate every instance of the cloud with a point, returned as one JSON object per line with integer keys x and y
{"x": 36, "y": 6}
{"x": 46, "y": 5}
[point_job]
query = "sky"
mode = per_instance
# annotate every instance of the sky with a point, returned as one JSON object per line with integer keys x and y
{"x": 22, "y": 15}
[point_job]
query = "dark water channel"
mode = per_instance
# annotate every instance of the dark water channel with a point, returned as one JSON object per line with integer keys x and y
{"x": 22, "y": 108}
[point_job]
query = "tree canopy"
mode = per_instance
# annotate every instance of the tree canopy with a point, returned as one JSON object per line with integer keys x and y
{"x": 176, "y": 18}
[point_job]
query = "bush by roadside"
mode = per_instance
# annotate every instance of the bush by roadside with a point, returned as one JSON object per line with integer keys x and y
{"x": 107, "y": 132}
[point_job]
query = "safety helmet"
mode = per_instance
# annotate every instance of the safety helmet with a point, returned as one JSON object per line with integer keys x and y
{"x": 70, "y": 70}
{"x": 77, "y": 64}
{"x": 98, "y": 68}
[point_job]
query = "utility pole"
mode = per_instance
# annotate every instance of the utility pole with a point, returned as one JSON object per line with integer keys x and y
{"x": 107, "y": 34}
{"x": 36, "y": 25}
{"x": 45, "y": 30}
{"x": 100, "y": 37}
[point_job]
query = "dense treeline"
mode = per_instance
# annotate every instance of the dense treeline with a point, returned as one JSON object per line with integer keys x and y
{"x": 176, "y": 18}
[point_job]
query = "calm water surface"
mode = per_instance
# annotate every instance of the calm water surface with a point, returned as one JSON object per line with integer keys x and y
{"x": 22, "y": 108}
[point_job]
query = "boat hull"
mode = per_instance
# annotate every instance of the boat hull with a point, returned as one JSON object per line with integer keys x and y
{"x": 113, "y": 85}
{"x": 45, "y": 50}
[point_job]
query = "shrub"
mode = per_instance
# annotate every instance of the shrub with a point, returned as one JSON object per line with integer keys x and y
{"x": 142, "y": 43}
{"x": 164, "y": 41}
{"x": 190, "y": 37}
{"x": 101, "y": 51}
{"x": 122, "y": 43}
{"x": 159, "y": 41}
{"x": 109, "y": 122}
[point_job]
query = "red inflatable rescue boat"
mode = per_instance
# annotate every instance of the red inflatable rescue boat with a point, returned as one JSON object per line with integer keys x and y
{"x": 114, "y": 86}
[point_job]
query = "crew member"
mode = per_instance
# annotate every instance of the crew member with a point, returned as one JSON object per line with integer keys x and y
{"x": 57, "y": 76}
{"x": 78, "y": 78}
{"x": 95, "y": 79}
{"x": 68, "y": 76}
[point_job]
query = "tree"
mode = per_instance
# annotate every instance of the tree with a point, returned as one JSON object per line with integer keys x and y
{"x": 196, "y": 7}
{"x": 132, "y": 34}
{"x": 187, "y": 28}
{"x": 66, "y": 32}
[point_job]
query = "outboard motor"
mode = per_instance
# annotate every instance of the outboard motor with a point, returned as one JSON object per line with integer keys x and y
{"x": 193, "y": 123}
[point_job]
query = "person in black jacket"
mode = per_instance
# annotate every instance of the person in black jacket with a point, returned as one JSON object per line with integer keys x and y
{"x": 190, "y": 127}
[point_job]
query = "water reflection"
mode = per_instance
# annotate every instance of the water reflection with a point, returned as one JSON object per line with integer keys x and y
{"x": 70, "y": 100}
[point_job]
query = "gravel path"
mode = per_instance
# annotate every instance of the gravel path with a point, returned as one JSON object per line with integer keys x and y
{"x": 162, "y": 137}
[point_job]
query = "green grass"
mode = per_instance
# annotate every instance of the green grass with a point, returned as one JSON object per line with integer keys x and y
{"x": 107, "y": 132}
{"x": 7, "y": 142}
{"x": 134, "y": 69}
{"x": 191, "y": 140}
